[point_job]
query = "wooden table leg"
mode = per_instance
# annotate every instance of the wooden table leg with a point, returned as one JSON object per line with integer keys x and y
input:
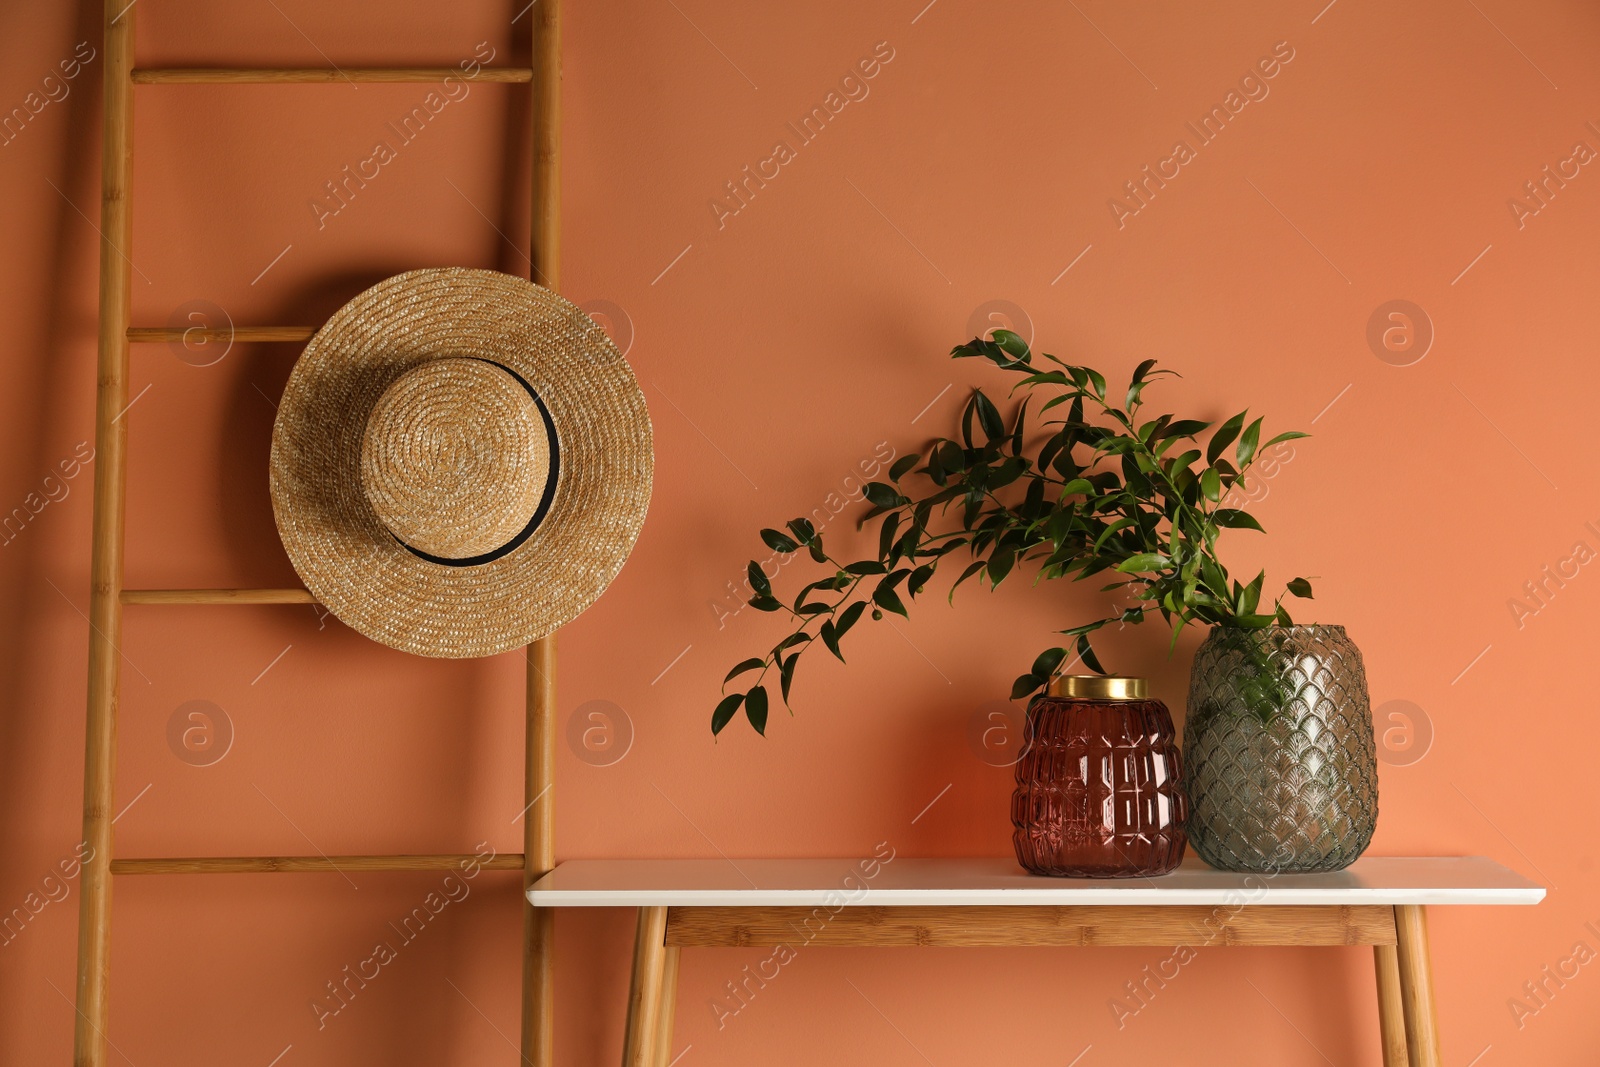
{"x": 1391, "y": 1012}
{"x": 669, "y": 1007}
{"x": 1416, "y": 985}
{"x": 644, "y": 992}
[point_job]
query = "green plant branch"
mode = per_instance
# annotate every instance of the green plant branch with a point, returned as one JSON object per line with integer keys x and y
{"x": 1129, "y": 509}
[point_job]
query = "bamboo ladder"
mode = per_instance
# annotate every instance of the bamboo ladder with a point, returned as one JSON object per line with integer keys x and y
{"x": 108, "y": 596}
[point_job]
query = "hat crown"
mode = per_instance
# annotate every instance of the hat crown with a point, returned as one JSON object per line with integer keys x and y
{"x": 455, "y": 458}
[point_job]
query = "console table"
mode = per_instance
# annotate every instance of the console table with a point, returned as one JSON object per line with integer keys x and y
{"x": 877, "y": 901}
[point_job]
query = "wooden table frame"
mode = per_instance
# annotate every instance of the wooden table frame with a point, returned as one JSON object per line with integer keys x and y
{"x": 1407, "y": 1017}
{"x": 979, "y": 902}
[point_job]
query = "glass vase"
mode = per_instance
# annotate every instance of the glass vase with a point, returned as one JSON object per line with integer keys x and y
{"x": 1099, "y": 792}
{"x": 1278, "y": 745}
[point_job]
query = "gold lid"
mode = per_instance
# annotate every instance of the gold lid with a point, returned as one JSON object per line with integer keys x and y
{"x": 1099, "y": 687}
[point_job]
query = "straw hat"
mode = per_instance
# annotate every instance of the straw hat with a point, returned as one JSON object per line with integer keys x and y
{"x": 461, "y": 462}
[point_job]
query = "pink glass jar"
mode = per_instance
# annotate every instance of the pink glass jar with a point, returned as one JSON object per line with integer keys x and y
{"x": 1099, "y": 785}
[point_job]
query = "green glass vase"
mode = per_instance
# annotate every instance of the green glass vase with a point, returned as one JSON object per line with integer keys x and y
{"x": 1281, "y": 765}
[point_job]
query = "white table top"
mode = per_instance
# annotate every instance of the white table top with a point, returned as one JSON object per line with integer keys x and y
{"x": 999, "y": 881}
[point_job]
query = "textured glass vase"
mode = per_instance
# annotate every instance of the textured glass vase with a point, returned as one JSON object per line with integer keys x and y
{"x": 1099, "y": 791}
{"x": 1278, "y": 746}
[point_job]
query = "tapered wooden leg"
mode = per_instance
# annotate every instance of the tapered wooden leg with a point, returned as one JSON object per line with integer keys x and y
{"x": 1391, "y": 1013}
{"x": 669, "y": 1007}
{"x": 1416, "y": 985}
{"x": 644, "y": 993}
{"x": 538, "y": 856}
{"x": 538, "y": 986}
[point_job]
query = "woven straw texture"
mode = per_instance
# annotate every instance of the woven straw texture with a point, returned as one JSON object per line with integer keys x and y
{"x": 1287, "y": 788}
{"x": 341, "y": 548}
{"x": 455, "y": 457}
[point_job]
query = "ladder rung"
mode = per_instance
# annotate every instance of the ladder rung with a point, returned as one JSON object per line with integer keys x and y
{"x": 218, "y": 596}
{"x": 284, "y": 75}
{"x": 509, "y": 861}
{"x": 157, "y": 334}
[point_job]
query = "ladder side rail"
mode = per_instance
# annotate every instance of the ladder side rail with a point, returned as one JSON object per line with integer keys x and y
{"x": 544, "y": 268}
{"x": 110, "y": 488}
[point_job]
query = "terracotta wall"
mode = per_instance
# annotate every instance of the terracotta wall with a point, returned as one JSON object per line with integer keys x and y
{"x": 783, "y": 341}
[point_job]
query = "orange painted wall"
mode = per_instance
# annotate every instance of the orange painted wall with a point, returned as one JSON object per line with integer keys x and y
{"x": 777, "y": 350}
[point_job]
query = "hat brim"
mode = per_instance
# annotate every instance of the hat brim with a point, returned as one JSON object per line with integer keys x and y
{"x": 351, "y": 562}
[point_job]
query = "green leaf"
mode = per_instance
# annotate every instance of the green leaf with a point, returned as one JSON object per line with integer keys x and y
{"x": 1300, "y": 588}
{"x": 1144, "y": 561}
{"x": 755, "y": 709}
{"x": 830, "y": 637}
{"x": 1223, "y": 437}
{"x": 848, "y": 617}
{"x": 951, "y": 457}
{"x": 747, "y": 665}
{"x": 902, "y": 465}
{"x": 824, "y": 583}
{"x": 787, "y": 674}
{"x": 1011, "y": 343}
{"x": 1086, "y": 653}
{"x": 1111, "y": 531}
{"x": 866, "y": 566}
{"x": 972, "y": 569}
{"x": 1287, "y": 435}
{"x": 1018, "y": 428}
{"x": 1183, "y": 462}
{"x": 725, "y": 710}
{"x": 1250, "y": 595}
{"x": 1235, "y": 519}
{"x": 886, "y": 534}
{"x": 802, "y": 529}
{"x": 1025, "y": 684}
{"x": 1048, "y": 661}
{"x": 798, "y": 638}
{"x": 1185, "y": 428}
{"x": 994, "y": 427}
{"x": 778, "y": 542}
{"x": 1000, "y": 563}
{"x": 1078, "y": 487}
{"x": 766, "y": 602}
{"x": 1053, "y": 401}
{"x": 1005, "y": 473}
{"x": 1211, "y": 485}
{"x": 1088, "y": 627}
{"x": 1247, "y": 444}
{"x": 885, "y": 597}
{"x": 882, "y": 495}
{"x": 758, "y": 579}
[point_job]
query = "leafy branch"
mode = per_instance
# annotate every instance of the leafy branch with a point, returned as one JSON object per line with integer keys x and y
{"x": 1094, "y": 490}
